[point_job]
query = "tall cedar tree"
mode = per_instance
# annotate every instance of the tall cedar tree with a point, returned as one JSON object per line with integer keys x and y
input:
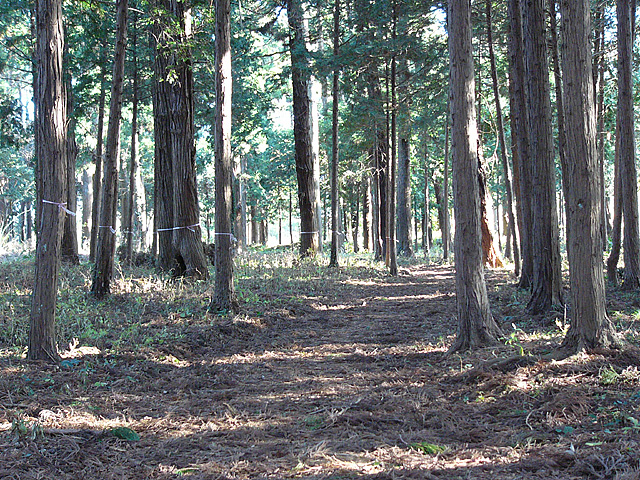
{"x": 300, "y": 78}
{"x": 547, "y": 274}
{"x": 628, "y": 175}
{"x": 97, "y": 156}
{"x": 224, "y": 296}
{"x": 51, "y": 134}
{"x": 520, "y": 144}
{"x": 476, "y": 326}
{"x": 333, "y": 262}
{"x": 590, "y": 327}
{"x": 163, "y": 168}
{"x": 106, "y": 247}
{"x": 391, "y": 247}
{"x": 188, "y": 251}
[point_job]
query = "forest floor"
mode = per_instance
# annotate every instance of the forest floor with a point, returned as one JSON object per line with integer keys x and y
{"x": 326, "y": 374}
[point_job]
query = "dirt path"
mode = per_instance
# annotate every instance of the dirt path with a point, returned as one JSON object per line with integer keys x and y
{"x": 336, "y": 377}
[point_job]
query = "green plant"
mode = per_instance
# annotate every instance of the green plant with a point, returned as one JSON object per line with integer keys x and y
{"x": 427, "y": 448}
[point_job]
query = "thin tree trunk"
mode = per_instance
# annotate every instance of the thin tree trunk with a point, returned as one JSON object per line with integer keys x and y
{"x": 391, "y": 247}
{"x": 50, "y": 133}
{"x": 366, "y": 202}
{"x": 97, "y": 158}
{"x": 445, "y": 226}
{"x": 224, "y": 295}
{"x": 616, "y": 231}
{"x": 599, "y": 69}
{"x": 69, "y": 247}
{"x": 506, "y": 171}
{"x": 520, "y": 143}
{"x": 333, "y": 261}
{"x": 403, "y": 208}
{"x": 87, "y": 200}
{"x": 133, "y": 163}
{"x": 106, "y": 247}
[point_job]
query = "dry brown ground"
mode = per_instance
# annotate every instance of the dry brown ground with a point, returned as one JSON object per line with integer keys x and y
{"x": 325, "y": 375}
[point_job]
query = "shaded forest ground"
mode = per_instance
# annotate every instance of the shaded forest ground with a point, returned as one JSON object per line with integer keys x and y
{"x": 325, "y": 375}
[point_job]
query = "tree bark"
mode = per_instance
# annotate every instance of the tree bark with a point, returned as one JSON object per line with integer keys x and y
{"x": 128, "y": 226}
{"x": 50, "y": 133}
{"x": 163, "y": 167}
{"x": 616, "y": 231}
{"x": 302, "y": 130}
{"x": 69, "y": 247}
{"x": 547, "y": 279}
{"x": 335, "y": 188}
{"x": 87, "y": 201}
{"x": 224, "y": 295}
{"x": 590, "y": 327}
{"x": 476, "y": 326}
{"x": 404, "y": 199}
{"x": 628, "y": 173}
{"x": 190, "y": 260}
{"x": 391, "y": 246}
{"x": 506, "y": 170}
{"x": 445, "y": 224}
{"x": 366, "y": 221}
{"x": 97, "y": 158}
{"x": 520, "y": 142}
{"x": 106, "y": 246}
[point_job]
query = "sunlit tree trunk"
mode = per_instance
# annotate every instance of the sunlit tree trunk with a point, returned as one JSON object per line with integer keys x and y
{"x": 476, "y": 326}
{"x": 224, "y": 296}
{"x": 51, "y": 133}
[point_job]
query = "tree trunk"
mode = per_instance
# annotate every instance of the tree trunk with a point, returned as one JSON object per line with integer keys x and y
{"x": 445, "y": 225}
{"x": 520, "y": 143}
{"x": 106, "y": 247}
{"x": 616, "y": 231}
{"x": 366, "y": 202}
{"x": 628, "y": 174}
{"x": 506, "y": 171}
{"x": 50, "y": 133}
{"x": 69, "y": 247}
{"x": 128, "y": 226}
{"x": 224, "y": 295}
{"x": 301, "y": 130}
{"x": 404, "y": 199}
{"x": 187, "y": 243}
{"x": 547, "y": 280}
{"x": 163, "y": 168}
{"x": 490, "y": 255}
{"x": 476, "y": 326}
{"x": 590, "y": 328}
{"x": 333, "y": 261}
{"x": 87, "y": 200}
{"x": 599, "y": 69}
{"x": 355, "y": 217}
{"x": 391, "y": 246}
{"x": 97, "y": 174}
